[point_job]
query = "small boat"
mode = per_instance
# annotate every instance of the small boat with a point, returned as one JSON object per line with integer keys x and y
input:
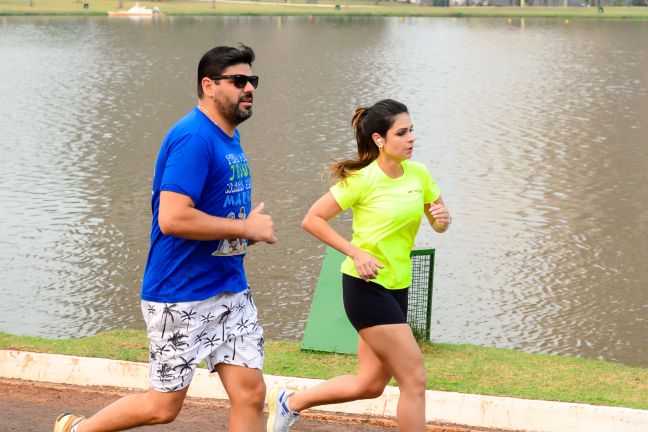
{"x": 136, "y": 10}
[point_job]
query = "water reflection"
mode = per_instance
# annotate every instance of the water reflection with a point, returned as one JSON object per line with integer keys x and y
{"x": 533, "y": 131}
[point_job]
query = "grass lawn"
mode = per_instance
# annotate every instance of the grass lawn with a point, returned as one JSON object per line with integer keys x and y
{"x": 450, "y": 367}
{"x": 301, "y": 7}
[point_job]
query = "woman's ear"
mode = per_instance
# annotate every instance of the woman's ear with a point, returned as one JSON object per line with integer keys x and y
{"x": 378, "y": 140}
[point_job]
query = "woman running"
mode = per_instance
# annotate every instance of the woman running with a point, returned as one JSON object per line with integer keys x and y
{"x": 389, "y": 195}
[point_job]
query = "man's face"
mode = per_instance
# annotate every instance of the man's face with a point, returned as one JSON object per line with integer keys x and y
{"x": 234, "y": 104}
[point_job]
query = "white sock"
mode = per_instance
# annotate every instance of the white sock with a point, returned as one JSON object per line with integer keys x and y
{"x": 287, "y": 406}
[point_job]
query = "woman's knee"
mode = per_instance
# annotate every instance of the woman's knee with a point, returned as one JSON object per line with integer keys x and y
{"x": 414, "y": 380}
{"x": 373, "y": 391}
{"x": 368, "y": 389}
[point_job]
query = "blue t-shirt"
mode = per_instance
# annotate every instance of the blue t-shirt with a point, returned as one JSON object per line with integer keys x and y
{"x": 199, "y": 160}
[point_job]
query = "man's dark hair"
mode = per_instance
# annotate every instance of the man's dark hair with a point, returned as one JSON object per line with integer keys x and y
{"x": 217, "y": 59}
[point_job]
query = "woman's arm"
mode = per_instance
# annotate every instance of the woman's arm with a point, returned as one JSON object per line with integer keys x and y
{"x": 438, "y": 215}
{"x": 316, "y": 223}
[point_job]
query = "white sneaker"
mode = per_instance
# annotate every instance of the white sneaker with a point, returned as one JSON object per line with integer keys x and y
{"x": 280, "y": 418}
{"x": 66, "y": 421}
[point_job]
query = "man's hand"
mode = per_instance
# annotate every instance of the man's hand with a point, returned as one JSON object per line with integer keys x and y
{"x": 259, "y": 226}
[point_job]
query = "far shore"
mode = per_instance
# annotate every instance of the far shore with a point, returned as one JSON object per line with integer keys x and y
{"x": 311, "y": 8}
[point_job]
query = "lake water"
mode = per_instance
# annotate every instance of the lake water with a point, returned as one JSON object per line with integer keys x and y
{"x": 535, "y": 131}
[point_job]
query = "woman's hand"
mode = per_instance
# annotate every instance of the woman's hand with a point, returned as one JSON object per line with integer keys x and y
{"x": 439, "y": 216}
{"x": 366, "y": 264}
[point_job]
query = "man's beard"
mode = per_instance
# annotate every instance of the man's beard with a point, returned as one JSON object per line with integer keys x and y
{"x": 231, "y": 112}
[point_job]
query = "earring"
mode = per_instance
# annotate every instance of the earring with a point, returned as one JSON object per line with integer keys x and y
{"x": 380, "y": 144}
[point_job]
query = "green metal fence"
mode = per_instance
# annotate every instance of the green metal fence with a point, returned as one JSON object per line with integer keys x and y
{"x": 419, "y": 308}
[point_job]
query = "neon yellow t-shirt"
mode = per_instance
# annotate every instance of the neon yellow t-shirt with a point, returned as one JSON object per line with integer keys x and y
{"x": 387, "y": 215}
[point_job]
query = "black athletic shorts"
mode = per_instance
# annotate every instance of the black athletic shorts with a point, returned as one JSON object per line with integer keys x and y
{"x": 368, "y": 304}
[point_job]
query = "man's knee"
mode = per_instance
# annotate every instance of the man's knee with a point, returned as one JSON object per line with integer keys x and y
{"x": 257, "y": 394}
{"x": 163, "y": 410}
{"x": 253, "y": 394}
{"x": 163, "y": 414}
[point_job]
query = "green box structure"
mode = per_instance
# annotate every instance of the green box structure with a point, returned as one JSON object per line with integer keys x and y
{"x": 328, "y": 328}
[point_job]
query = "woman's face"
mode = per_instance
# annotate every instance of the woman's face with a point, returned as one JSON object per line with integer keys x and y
{"x": 399, "y": 140}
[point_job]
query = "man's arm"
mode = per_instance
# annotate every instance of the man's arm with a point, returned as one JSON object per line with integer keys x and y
{"x": 178, "y": 217}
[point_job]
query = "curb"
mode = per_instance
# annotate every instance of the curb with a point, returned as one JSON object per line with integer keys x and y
{"x": 442, "y": 407}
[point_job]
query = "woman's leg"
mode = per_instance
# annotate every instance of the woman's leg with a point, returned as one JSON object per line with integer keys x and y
{"x": 368, "y": 383}
{"x": 395, "y": 347}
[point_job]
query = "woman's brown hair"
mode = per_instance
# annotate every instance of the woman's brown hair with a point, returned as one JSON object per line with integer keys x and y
{"x": 366, "y": 121}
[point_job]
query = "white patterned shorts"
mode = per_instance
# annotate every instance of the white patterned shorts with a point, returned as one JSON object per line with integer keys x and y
{"x": 221, "y": 329}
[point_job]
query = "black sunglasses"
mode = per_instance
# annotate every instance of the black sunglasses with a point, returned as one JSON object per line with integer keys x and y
{"x": 240, "y": 81}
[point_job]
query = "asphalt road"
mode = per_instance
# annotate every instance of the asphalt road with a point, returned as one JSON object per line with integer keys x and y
{"x": 27, "y": 406}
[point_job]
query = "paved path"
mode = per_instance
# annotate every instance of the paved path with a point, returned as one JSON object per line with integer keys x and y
{"x": 29, "y": 402}
{"x": 28, "y": 406}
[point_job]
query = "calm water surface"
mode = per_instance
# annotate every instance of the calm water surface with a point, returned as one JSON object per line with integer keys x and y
{"x": 534, "y": 130}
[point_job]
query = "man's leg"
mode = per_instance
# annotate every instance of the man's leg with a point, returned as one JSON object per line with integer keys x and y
{"x": 148, "y": 408}
{"x": 246, "y": 390}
